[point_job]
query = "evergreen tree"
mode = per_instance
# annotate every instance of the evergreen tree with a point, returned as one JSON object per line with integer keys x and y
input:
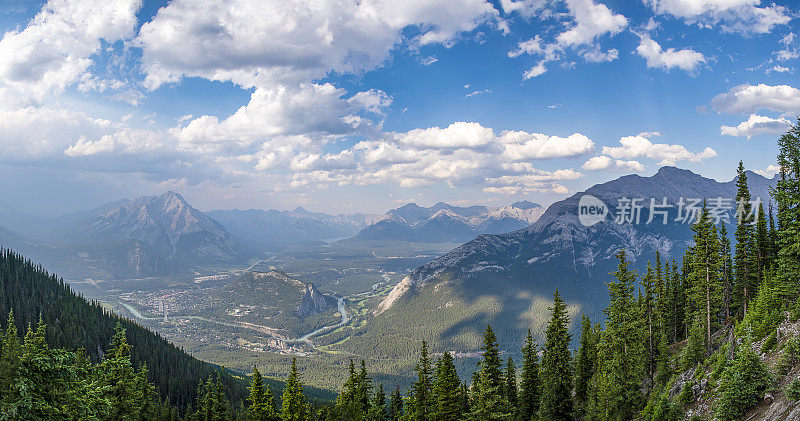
{"x": 447, "y": 390}
{"x": 787, "y": 197}
{"x": 585, "y": 364}
{"x": 772, "y": 240}
{"x": 119, "y": 378}
{"x": 294, "y": 406}
{"x": 422, "y": 403}
{"x": 529, "y": 388}
{"x": 377, "y": 408}
{"x": 705, "y": 256}
{"x": 556, "y": 398}
{"x": 511, "y": 383}
{"x": 621, "y": 357}
{"x": 262, "y": 406}
{"x": 744, "y": 260}
{"x": 761, "y": 244}
{"x": 726, "y": 272}
{"x": 395, "y": 405}
{"x": 648, "y": 307}
{"x": 491, "y": 403}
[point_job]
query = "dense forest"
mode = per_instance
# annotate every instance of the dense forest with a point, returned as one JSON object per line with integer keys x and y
{"x": 693, "y": 324}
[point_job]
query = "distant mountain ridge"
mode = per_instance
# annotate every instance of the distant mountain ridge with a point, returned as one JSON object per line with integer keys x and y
{"x": 273, "y": 227}
{"x": 557, "y": 251}
{"x": 171, "y": 228}
{"x": 446, "y": 223}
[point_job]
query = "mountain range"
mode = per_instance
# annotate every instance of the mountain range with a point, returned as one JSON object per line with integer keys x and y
{"x": 446, "y": 223}
{"x": 508, "y": 279}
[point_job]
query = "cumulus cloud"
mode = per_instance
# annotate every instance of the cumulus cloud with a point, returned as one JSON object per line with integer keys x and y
{"x": 261, "y": 43}
{"x": 282, "y": 111}
{"x": 603, "y": 162}
{"x": 639, "y": 146}
{"x": 53, "y": 51}
{"x": 522, "y": 146}
{"x": 731, "y": 15}
{"x": 770, "y": 171}
{"x": 589, "y": 22}
{"x": 747, "y": 99}
{"x": 687, "y": 59}
{"x": 757, "y": 124}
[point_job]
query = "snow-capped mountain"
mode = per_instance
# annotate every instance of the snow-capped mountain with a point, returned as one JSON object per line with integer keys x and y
{"x": 558, "y": 251}
{"x": 446, "y": 223}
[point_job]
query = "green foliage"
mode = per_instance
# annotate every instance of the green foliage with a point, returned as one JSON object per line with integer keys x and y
{"x": 262, "y": 402}
{"x": 529, "y": 387}
{"x": 421, "y": 403}
{"x": 706, "y": 290}
{"x": 294, "y": 405}
{"x": 793, "y": 390}
{"x": 766, "y": 312}
{"x": 787, "y": 196}
{"x": 447, "y": 390}
{"x": 585, "y": 363}
{"x": 745, "y": 259}
{"x": 742, "y": 384}
{"x": 556, "y": 398}
{"x": 661, "y": 408}
{"x": 491, "y": 402}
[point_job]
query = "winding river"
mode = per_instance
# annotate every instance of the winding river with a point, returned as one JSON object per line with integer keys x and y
{"x": 263, "y": 329}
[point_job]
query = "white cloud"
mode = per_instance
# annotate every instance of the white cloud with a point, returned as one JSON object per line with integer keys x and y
{"x": 281, "y": 111}
{"x": 522, "y": 146}
{"x": 262, "y": 43}
{"x": 598, "y": 163}
{"x": 457, "y": 135}
{"x": 732, "y": 15}
{"x": 54, "y": 49}
{"x": 747, "y": 99}
{"x": 603, "y": 162}
{"x": 591, "y": 20}
{"x": 638, "y": 146}
{"x": 687, "y": 59}
{"x": 757, "y": 124}
{"x": 770, "y": 171}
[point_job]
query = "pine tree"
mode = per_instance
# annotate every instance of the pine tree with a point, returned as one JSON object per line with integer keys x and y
{"x": 706, "y": 290}
{"x": 772, "y": 240}
{"x": 761, "y": 244}
{"x": 294, "y": 406}
{"x": 585, "y": 364}
{"x": 377, "y": 408}
{"x": 726, "y": 272}
{"x": 744, "y": 260}
{"x": 117, "y": 373}
{"x": 647, "y": 301}
{"x": 261, "y": 403}
{"x": 395, "y": 405}
{"x": 529, "y": 388}
{"x": 556, "y": 398}
{"x": 511, "y": 383}
{"x": 447, "y": 390}
{"x": 423, "y": 403}
{"x": 787, "y": 197}
{"x": 491, "y": 403}
{"x": 622, "y": 352}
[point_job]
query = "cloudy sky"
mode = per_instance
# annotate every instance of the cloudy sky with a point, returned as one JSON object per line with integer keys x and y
{"x": 345, "y": 105}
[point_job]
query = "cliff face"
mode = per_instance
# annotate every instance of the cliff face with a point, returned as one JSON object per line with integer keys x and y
{"x": 312, "y": 301}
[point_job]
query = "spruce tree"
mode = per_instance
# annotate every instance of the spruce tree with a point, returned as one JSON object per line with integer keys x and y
{"x": 744, "y": 260}
{"x": 294, "y": 406}
{"x": 529, "y": 387}
{"x": 787, "y": 198}
{"x": 648, "y": 306}
{"x": 761, "y": 244}
{"x": 726, "y": 272}
{"x": 585, "y": 364}
{"x": 556, "y": 398}
{"x": 622, "y": 352}
{"x": 377, "y": 408}
{"x": 423, "y": 403}
{"x": 447, "y": 390}
{"x": 491, "y": 403}
{"x": 396, "y": 405}
{"x": 511, "y": 383}
{"x": 706, "y": 291}
{"x": 262, "y": 407}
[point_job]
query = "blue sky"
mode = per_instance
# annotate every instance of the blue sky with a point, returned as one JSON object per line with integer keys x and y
{"x": 362, "y": 106}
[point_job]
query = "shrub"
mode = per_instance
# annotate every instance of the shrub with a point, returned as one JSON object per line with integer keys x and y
{"x": 793, "y": 390}
{"x": 742, "y": 385}
{"x": 686, "y": 397}
{"x": 770, "y": 343}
